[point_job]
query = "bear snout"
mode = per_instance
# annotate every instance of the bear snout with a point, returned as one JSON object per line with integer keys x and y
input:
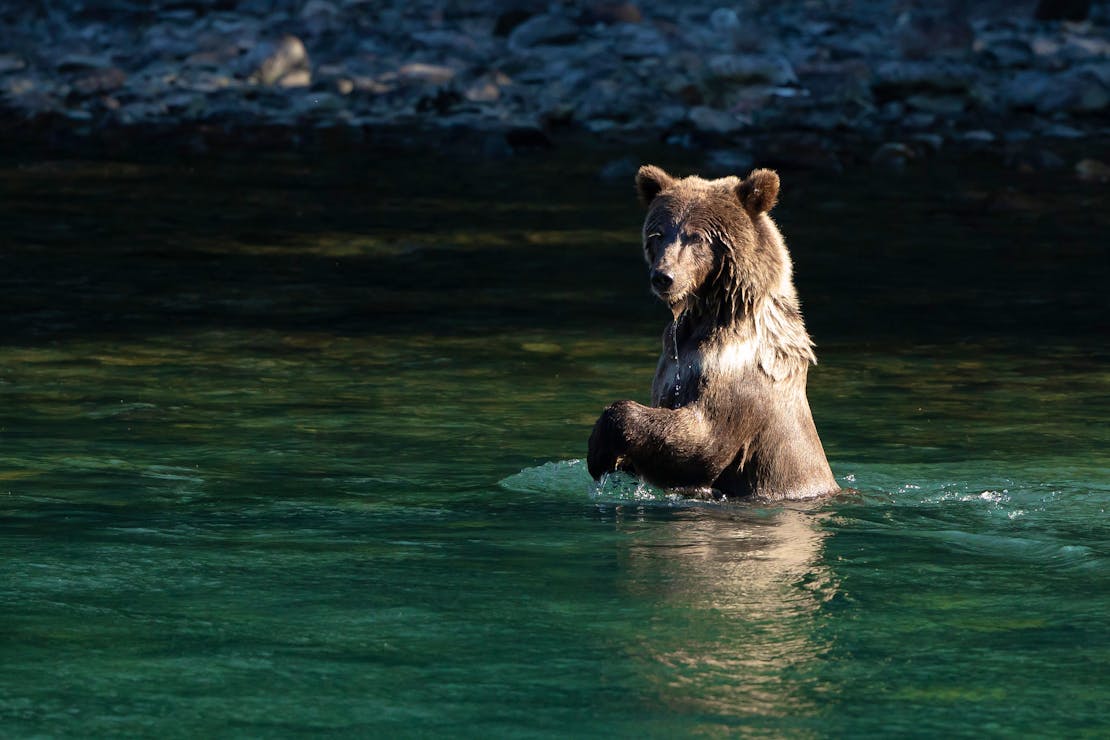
{"x": 661, "y": 281}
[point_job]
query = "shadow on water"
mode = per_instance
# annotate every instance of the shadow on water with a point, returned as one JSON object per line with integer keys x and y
{"x": 949, "y": 253}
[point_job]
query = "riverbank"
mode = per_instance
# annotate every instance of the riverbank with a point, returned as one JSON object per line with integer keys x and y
{"x": 814, "y": 84}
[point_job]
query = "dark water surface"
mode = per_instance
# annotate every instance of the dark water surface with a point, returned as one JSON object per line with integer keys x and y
{"x": 287, "y": 450}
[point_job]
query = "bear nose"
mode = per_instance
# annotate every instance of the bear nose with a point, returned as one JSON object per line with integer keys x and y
{"x": 661, "y": 280}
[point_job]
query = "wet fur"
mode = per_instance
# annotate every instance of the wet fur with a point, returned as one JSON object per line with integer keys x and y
{"x": 731, "y": 413}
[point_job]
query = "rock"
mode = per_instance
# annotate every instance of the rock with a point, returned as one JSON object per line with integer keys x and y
{"x": 1092, "y": 170}
{"x": 296, "y": 78}
{"x": 208, "y": 83}
{"x": 899, "y": 79}
{"x": 1007, "y": 52}
{"x": 319, "y": 16}
{"x": 1025, "y": 89}
{"x": 1030, "y": 157}
{"x": 935, "y": 141}
{"x": 23, "y": 85}
{"x": 427, "y": 74}
{"x": 892, "y": 110}
{"x": 601, "y": 125}
{"x": 943, "y": 105}
{"x": 682, "y": 87}
{"x": 712, "y": 121}
{"x": 919, "y": 120}
{"x": 606, "y": 98}
{"x": 636, "y": 41}
{"x": 1062, "y": 131}
{"x": 32, "y": 98}
{"x": 978, "y": 135}
{"x": 374, "y": 85}
{"x": 71, "y": 62}
{"x": 100, "y": 81}
{"x": 322, "y": 104}
{"x": 215, "y": 56}
{"x": 286, "y": 58}
{"x": 1044, "y": 46}
{"x": 509, "y": 19}
{"x": 482, "y": 91}
{"x": 543, "y": 30}
{"x": 1076, "y": 90}
{"x": 927, "y": 34}
{"x": 1087, "y": 47}
{"x": 614, "y": 12}
{"x": 749, "y": 69}
{"x": 892, "y": 155}
{"x": 77, "y": 114}
{"x": 450, "y": 40}
{"x": 184, "y": 103}
{"x": 487, "y": 88}
{"x": 724, "y": 20}
{"x": 11, "y": 63}
{"x": 323, "y": 8}
{"x": 698, "y": 70}
{"x": 666, "y": 117}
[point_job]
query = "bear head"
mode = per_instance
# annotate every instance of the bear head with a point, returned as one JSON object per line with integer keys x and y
{"x": 709, "y": 244}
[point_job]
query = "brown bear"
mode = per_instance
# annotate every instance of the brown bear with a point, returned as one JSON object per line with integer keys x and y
{"x": 729, "y": 413}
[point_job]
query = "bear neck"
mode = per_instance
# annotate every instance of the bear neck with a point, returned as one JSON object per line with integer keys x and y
{"x": 771, "y": 321}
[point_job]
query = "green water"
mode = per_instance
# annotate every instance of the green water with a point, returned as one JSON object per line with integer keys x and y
{"x": 293, "y": 450}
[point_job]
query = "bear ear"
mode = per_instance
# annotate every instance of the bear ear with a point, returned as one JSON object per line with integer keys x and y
{"x": 759, "y": 191}
{"x": 650, "y": 181}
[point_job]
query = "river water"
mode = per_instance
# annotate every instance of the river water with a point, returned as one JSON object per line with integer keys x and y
{"x": 290, "y": 450}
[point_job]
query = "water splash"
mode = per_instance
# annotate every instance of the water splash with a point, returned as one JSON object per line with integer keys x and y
{"x": 568, "y": 477}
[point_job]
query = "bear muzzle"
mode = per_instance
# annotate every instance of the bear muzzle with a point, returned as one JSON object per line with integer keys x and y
{"x": 661, "y": 282}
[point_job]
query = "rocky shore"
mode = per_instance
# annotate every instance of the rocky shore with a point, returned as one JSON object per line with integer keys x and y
{"x": 898, "y": 77}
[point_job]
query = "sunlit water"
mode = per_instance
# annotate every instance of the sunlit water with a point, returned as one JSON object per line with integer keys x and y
{"x": 285, "y": 451}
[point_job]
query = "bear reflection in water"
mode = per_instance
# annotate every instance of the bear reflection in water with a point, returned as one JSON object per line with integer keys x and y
{"x": 729, "y": 408}
{"x": 749, "y": 585}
